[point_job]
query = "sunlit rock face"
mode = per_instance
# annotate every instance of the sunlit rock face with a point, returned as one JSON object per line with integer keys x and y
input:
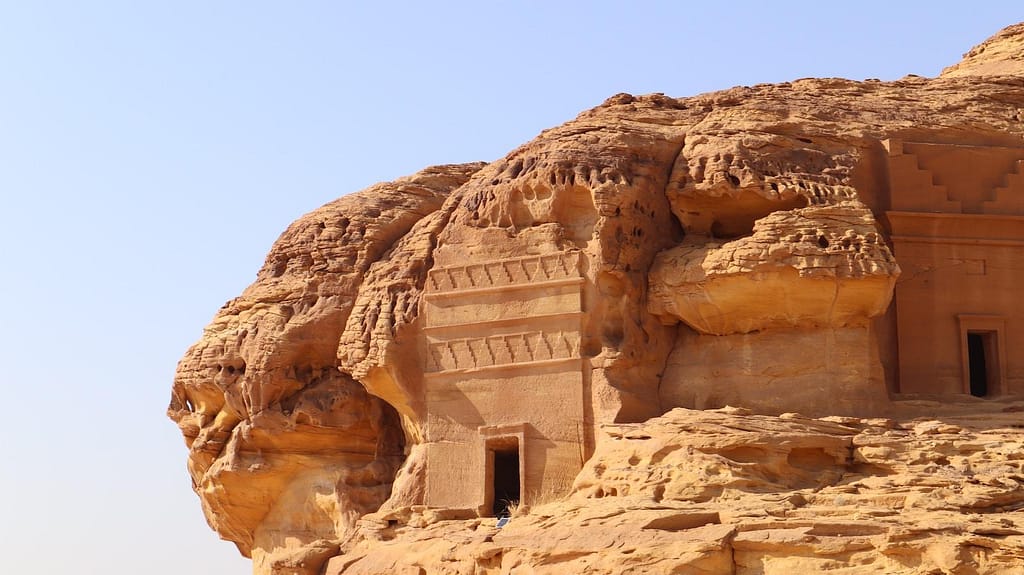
{"x": 285, "y": 450}
{"x": 414, "y": 353}
{"x": 824, "y": 266}
{"x": 779, "y": 281}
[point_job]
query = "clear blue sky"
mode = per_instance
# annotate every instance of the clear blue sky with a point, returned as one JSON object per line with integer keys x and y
{"x": 151, "y": 152}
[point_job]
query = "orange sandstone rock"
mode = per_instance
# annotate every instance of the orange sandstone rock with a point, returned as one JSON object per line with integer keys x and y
{"x": 286, "y": 451}
{"x": 536, "y": 336}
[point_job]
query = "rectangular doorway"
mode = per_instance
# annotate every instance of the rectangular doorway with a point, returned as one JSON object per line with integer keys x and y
{"x": 982, "y": 363}
{"x": 503, "y": 474}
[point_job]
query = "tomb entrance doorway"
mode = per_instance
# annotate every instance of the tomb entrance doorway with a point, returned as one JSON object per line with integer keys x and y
{"x": 504, "y": 470}
{"x": 982, "y": 363}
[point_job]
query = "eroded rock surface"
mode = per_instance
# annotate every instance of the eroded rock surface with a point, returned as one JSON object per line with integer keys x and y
{"x": 727, "y": 491}
{"x": 344, "y": 414}
{"x": 285, "y": 450}
{"x": 809, "y": 267}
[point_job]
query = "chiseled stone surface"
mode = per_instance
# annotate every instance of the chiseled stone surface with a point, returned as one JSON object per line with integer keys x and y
{"x": 573, "y": 306}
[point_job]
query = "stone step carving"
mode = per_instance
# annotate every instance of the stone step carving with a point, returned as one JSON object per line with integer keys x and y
{"x": 1008, "y": 199}
{"x": 918, "y": 191}
{"x": 993, "y": 184}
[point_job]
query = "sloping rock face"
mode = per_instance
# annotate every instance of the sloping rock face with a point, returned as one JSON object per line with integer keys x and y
{"x": 654, "y": 253}
{"x": 1000, "y": 55}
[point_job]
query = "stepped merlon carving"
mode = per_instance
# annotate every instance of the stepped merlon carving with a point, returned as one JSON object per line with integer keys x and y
{"x": 528, "y": 270}
{"x": 956, "y": 178}
{"x": 501, "y": 350}
{"x": 504, "y": 312}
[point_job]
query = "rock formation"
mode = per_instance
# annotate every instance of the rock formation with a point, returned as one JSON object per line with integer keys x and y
{"x": 283, "y": 445}
{"x": 556, "y": 335}
{"x": 726, "y": 491}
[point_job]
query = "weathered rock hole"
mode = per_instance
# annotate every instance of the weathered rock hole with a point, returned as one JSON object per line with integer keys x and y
{"x": 613, "y": 334}
{"x": 735, "y": 181}
{"x": 822, "y": 242}
{"x": 736, "y": 219}
{"x": 684, "y": 521}
{"x": 576, "y": 209}
{"x": 287, "y": 312}
{"x": 659, "y": 493}
{"x": 743, "y": 454}
{"x": 664, "y": 452}
{"x": 810, "y": 458}
{"x": 719, "y": 230}
{"x": 517, "y": 168}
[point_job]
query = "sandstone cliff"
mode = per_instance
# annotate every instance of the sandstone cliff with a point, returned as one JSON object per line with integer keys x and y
{"x": 577, "y": 303}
